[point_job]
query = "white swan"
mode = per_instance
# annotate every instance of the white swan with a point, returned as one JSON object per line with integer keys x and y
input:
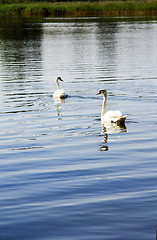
{"x": 110, "y": 116}
{"x": 59, "y": 93}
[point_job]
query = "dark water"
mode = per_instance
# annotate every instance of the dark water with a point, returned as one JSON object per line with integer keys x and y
{"x": 63, "y": 175}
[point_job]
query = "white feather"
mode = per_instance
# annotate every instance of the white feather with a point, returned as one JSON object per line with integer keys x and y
{"x": 59, "y": 93}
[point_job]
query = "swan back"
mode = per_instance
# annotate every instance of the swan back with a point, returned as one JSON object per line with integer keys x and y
{"x": 59, "y": 93}
{"x": 113, "y": 114}
{"x": 113, "y": 117}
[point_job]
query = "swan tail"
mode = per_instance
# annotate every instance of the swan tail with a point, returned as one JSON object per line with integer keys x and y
{"x": 64, "y": 96}
{"x": 121, "y": 119}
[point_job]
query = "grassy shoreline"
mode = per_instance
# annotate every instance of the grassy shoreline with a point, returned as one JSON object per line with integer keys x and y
{"x": 79, "y": 9}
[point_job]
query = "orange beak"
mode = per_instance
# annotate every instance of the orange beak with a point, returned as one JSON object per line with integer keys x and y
{"x": 98, "y": 93}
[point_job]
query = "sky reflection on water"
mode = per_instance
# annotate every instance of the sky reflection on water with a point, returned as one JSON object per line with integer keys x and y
{"x": 63, "y": 174}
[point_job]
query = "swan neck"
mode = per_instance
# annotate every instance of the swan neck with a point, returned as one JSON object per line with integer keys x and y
{"x": 104, "y": 105}
{"x": 57, "y": 84}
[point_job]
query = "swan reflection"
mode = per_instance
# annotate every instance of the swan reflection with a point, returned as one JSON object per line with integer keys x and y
{"x": 113, "y": 127}
{"x": 110, "y": 128}
{"x": 58, "y": 104}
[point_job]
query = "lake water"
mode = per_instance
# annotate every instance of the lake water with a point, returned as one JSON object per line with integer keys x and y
{"x": 63, "y": 175}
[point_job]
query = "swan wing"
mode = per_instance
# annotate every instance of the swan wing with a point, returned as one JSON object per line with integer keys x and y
{"x": 113, "y": 117}
{"x": 113, "y": 114}
{"x": 59, "y": 93}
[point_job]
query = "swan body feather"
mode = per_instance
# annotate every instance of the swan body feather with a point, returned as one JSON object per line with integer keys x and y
{"x": 59, "y": 93}
{"x": 110, "y": 116}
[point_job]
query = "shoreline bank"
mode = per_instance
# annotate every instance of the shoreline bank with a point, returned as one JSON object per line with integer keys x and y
{"x": 79, "y": 9}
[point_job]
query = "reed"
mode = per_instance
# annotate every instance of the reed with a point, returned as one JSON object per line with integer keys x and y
{"x": 76, "y": 9}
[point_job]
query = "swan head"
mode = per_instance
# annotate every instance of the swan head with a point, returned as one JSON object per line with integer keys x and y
{"x": 102, "y": 91}
{"x": 59, "y": 79}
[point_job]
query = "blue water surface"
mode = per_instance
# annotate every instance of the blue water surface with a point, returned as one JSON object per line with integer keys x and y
{"x": 63, "y": 174}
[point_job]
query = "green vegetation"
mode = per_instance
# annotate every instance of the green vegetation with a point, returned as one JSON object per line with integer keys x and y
{"x": 54, "y": 8}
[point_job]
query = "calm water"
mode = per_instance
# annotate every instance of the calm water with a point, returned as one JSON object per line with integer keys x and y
{"x": 63, "y": 175}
